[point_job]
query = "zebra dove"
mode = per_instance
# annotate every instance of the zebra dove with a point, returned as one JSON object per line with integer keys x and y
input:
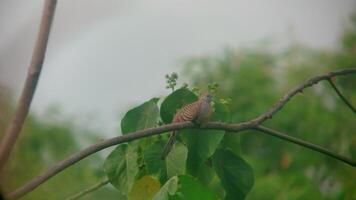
{"x": 197, "y": 112}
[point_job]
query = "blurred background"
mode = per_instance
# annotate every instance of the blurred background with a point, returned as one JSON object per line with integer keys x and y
{"x": 104, "y": 57}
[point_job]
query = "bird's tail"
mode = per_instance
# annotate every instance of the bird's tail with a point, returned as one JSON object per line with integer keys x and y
{"x": 169, "y": 145}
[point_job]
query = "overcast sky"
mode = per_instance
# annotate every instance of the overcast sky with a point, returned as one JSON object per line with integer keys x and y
{"x": 106, "y": 55}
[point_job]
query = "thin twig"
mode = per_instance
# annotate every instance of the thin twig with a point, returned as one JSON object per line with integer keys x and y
{"x": 235, "y": 127}
{"x": 305, "y": 144}
{"x": 88, "y": 190}
{"x": 34, "y": 71}
{"x": 341, "y": 96}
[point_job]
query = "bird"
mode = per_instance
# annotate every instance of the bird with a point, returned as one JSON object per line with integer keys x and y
{"x": 197, "y": 112}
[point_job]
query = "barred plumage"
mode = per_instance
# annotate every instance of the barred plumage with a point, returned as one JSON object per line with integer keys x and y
{"x": 198, "y": 111}
{"x": 187, "y": 113}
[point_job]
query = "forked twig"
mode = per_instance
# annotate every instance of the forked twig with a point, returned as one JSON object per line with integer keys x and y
{"x": 341, "y": 96}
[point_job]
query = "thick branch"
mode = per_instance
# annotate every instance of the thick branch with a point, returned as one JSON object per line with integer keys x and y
{"x": 29, "y": 186}
{"x": 341, "y": 96}
{"x": 305, "y": 144}
{"x": 33, "y": 74}
{"x": 88, "y": 190}
{"x": 263, "y": 129}
{"x": 35, "y": 182}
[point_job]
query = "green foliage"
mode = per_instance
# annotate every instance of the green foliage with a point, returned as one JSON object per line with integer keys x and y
{"x": 121, "y": 168}
{"x": 176, "y": 160}
{"x": 171, "y": 80}
{"x": 168, "y": 189}
{"x": 175, "y": 101}
{"x": 129, "y": 163}
{"x": 184, "y": 187}
{"x": 122, "y": 165}
{"x": 213, "y": 88}
{"x": 154, "y": 165}
{"x": 196, "y": 91}
{"x": 144, "y": 188}
{"x": 140, "y": 117}
{"x": 203, "y": 143}
{"x": 254, "y": 79}
{"x": 236, "y": 175}
{"x": 43, "y": 144}
{"x": 209, "y": 164}
{"x": 349, "y": 36}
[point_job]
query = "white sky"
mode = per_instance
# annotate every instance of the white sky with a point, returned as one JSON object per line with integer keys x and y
{"x": 104, "y": 56}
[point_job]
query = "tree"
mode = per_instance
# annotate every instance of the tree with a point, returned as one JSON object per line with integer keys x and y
{"x": 212, "y": 162}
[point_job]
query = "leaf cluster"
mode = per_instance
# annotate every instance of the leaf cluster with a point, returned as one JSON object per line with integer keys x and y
{"x": 200, "y": 166}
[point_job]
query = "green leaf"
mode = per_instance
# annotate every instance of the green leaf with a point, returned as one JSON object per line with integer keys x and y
{"x": 121, "y": 167}
{"x": 175, "y": 101}
{"x": 144, "y": 189}
{"x": 203, "y": 143}
{"x": 232, "y": 141}
{"x": 168, "y": 189}
{"x": 208, "y": 177}
{"x": 176, "y": 160}
{"x": 235, "y": 174}
{"x": 141, "y": 117}
{"x": 182, "y": 188}
{"x": 153, "y": 162}
{"x": 190, "y": 188}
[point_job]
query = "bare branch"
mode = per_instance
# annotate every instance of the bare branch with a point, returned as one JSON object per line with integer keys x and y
{"x": 235, "y": 127}
{"x": 306, "y": 144}
{"x": 341, "y": 96}
{"x": 33, "y": 74}
{"x": 308, "y": 83}
{"x": 88, "y": 190}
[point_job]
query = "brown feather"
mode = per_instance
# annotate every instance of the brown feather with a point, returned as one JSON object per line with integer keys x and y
{"x": 185, "y": 114}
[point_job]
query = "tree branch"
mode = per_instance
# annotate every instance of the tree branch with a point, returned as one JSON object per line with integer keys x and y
{"x": 306, "y": 144}
{"x": 236, "y": 127}
{"x": 262, "y": 129}
{"x": 299, "y": 89}
{"x": 33, "y": 74}
{"x": 341, "y": 96}
{"x": 35, "y": 182}
{"x": 88, "y": 190}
